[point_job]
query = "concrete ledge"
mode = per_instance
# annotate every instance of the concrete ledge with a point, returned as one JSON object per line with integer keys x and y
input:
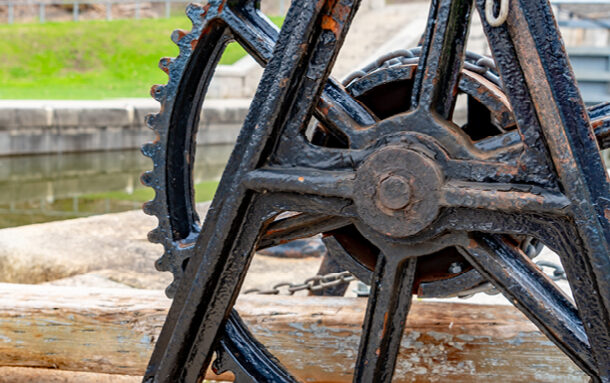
{"x": 239, "y": 80}
{"x": 36, "y": 127}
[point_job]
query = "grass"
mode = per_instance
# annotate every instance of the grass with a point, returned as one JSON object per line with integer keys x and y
{"x": 90, "y": 59}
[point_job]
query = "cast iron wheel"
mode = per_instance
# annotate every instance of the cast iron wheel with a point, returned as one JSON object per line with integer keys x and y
{"x": 544, "y": 180}
{"x": 384, "y": 87}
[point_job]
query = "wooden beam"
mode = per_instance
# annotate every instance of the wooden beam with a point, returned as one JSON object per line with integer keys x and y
{"x": 45, "y": 375}
{"x": 113, "y": 331}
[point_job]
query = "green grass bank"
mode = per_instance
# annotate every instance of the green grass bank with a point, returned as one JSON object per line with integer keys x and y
{"x": 90, "y": 59}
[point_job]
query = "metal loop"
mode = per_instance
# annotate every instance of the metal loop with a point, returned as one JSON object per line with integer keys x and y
{"x": 558, "y": 271}
{"x": 487, "y": 62}
{"x": 493, "y": 20}
{"x": 283, "y": 284}
{"x": 475, "y": 68}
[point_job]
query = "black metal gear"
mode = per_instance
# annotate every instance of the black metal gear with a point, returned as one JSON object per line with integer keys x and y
{"x": 537, "y": 180}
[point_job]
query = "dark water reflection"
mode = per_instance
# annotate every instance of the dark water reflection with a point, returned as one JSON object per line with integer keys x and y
{"x": 44, "y": 188}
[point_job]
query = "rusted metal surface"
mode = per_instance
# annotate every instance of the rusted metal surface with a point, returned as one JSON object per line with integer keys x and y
{"x": 407, "y": 199}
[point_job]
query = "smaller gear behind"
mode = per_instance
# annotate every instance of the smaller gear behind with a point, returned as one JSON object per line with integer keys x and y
{"x": 383, "y": 87}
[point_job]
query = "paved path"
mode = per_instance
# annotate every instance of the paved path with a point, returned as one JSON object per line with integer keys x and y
{"x": 372, "y": 30}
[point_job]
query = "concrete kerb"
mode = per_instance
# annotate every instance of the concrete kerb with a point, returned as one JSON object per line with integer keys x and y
{"x": 36, "y": 127}
{"x": 58, "y": 126}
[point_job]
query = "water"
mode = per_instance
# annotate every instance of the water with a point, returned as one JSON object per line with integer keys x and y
{"x": 43, "y": 188}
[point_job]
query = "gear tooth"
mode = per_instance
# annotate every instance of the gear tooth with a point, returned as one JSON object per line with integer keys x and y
{"x": 155, "y": 235}
{"x": 160, "y": 264}
{"x": 149, "y": 149}
{"x": 177, "y": 35}
{"x": 170, "y": 291}
{"x": 157, "y": 92}
{"x": 148, "y": 178}
{"x": 194, "y": 11}
{"x": 148, "y": 208}
{"x": 150, "y": 120}
{"x": 165, "y": 63}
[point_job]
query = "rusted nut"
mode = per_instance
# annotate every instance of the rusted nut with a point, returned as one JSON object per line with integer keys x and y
{"x": 394, "y": 192}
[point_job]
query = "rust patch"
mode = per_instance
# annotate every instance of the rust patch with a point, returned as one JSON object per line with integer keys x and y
{"x": 473, "y": 244}
{"x": 283, "y": 82}
{"x": 180, "y": 33}
{"x": 385, "y": 323}
{"x": 194, "y": 43}
{"x": 341, "y": 12}
{"x": 164, "y": 64}
{"x": 153, "y": 90}
{"x": 329, "y": 24}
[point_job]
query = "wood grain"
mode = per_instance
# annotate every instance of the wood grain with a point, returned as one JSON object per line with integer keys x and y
{"x": 113, "y": 331}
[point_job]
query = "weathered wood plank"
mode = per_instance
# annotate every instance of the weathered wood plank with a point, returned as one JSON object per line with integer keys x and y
{"x": 113, "y": 331}
{"x": 45, "y": 375}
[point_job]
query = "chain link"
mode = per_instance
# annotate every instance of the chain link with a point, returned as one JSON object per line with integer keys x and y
{"x": 558, "y": 271}
{"x": 313, "y": 284}
{"x": 321, "y": 282}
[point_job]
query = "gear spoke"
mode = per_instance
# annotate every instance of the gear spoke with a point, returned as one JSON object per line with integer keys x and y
{"x": 324, "y": 44}
{"x": 504, "y": 197}
{"x": 313, "y": 204}
{"x": 303, "y": 225}
{"x": 336, "y": 109}
{"x": 305, "y": 181}
{"x": 518, "y": 278}
{"x": 388, "y": 306}
{"x": 554, "y": 124}
{"x": 436, "y": 81}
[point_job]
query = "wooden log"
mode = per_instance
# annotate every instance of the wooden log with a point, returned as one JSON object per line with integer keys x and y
{"x": 113, "y": 331}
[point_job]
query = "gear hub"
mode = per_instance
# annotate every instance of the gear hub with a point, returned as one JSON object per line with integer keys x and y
{"x": 395, "y": 199}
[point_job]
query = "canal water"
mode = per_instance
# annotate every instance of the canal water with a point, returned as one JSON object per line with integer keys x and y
{"x": 43, "y": 188}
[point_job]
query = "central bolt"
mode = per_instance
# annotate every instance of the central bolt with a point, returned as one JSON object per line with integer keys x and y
{"x": 394, "y": 192}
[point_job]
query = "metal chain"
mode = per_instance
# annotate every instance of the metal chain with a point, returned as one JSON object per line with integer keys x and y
{"x": 321, "y": 282}
{"x": 315, "y": 283}
{"x": 474, "y": 62}
{"x": 558, "y": 271}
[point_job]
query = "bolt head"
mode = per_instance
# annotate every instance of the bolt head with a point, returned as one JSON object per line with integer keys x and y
{"x": 394, "y": 192}
{"x": 455, "y": 268}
